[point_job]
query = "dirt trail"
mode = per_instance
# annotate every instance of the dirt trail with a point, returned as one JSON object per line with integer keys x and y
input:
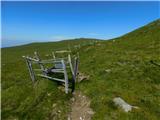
{"x": 80, "y": 107}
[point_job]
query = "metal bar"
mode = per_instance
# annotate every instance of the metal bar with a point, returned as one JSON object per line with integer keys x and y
{"x": 54, "y": 57}
{"x": 53, "y": 70}
{"x": 63, "y": 51}
{"x": 45, "y": 62}
{"x": 70, "y": 63}
{"x": 41, "y": 65}
{"x": 62, "y": 58}
{"x": 32, "y": 75}
{"x": 51, "y": 78}
{"x": 27, "y": 62}
{"x": 38, "y": 69}
{"x": 57, "y": 71}
{"x": 76, "y": 68}
{"x": 29, "y": 58}
{"x": 49, "y": 60}
{"x": 74, "y": 75}
{"x": 65, "y": 77}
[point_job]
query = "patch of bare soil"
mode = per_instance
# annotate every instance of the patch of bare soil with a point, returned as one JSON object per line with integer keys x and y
{"x": 80, "y": 107}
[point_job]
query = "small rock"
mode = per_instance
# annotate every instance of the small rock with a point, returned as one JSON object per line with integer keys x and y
{"x": 120, "y": 63}
{"x": 80, "y": 118}
{"x": 49, "y": 94}
{"x": 54, "y": 105}
{"x": 72, "y": 99}
{"x": 122, "y": 104}
{"x": 69, "y": 118}
{"x": 59, "y": 111}
{"x": 90, "y": 112}
{"x": 108, "y": 70}
{"x": 46, "y": 55}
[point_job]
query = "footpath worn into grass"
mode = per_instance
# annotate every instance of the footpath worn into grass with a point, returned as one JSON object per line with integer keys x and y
{"x": 80, "y": 107}
{"x": 119, "y": 67}
{"x": 23, "y": 100}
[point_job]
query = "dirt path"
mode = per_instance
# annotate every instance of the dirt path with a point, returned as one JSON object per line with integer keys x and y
{"x": 80, "y": 106}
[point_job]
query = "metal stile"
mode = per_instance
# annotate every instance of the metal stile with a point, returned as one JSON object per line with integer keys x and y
{"x": 60, "y": 66}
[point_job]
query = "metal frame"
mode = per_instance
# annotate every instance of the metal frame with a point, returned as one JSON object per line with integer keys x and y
{"x": 63, "y": 62}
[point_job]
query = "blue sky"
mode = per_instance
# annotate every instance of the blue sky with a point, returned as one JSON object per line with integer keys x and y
{"x": 25, "y": 22}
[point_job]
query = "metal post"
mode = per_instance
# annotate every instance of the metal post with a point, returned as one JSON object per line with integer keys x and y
{"x": 31, "y": 72}
{"x": 65, "y": 76}
{"x": 76, "y": 62}
{"x": 41, "y": 65}
{"x": 70, "y": 63}
{"x": 54, "y": 57}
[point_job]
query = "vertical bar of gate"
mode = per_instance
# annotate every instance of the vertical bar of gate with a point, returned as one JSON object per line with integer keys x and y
{"x": 76, "y": 62}
{"x": 65, "y": 76}
{"x": 31, "y": 72}
{"x": 70, "y": 63}
{"x": 41, "y": 65}
{"x": 53, "y": 54}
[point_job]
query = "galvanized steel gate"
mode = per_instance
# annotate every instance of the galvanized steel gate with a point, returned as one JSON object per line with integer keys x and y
{"x": 59, "y": 65}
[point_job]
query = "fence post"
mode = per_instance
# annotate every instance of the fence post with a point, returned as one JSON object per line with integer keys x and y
{"x": 65, "y": 76}
{"x": 54, "y": 57}
{"x": 41, "y": 65}
{"x": 70, "y": 63}
{"x": 31, "y": 72}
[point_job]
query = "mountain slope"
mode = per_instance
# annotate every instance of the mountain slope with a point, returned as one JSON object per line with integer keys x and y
{"x": 122, "y": 67}
{"x": 117, "y": 67}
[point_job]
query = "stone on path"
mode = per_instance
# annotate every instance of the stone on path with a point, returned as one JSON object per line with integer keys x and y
{"x": 122, "y": 104}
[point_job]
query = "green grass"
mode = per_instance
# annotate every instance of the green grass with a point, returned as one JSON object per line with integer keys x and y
{"x": 20, "y": 99}
{"x": 131, "y": 76}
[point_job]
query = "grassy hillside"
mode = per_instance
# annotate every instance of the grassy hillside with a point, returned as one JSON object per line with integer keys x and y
{"x": 130, "y": 74}
{"x": 22, "y": 100}
{"x": 118, "y": 67}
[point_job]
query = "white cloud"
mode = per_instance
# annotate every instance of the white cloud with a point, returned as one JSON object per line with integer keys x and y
{"x": 59, "y": 37}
